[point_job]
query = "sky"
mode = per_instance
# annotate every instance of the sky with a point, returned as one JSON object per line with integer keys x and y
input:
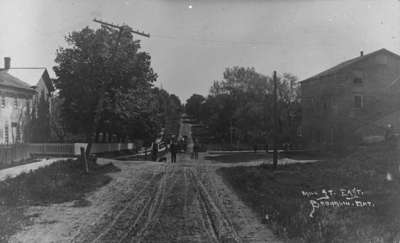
{"x": 193, "y": 41}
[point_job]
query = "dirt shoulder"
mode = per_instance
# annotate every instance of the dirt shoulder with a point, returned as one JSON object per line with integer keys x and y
{"x": 247, "y": 222}
{"x": 66, "y": 221}
{"x": 61, "y": 181}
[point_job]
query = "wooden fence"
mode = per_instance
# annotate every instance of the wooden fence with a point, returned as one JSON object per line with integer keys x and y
{"x": 10, "y": 154}
{"x": 14, "y": 153}
{"x": 51, "y": 148}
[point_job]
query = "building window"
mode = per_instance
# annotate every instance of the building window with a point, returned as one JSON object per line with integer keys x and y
{"x": 15, "y": 102}
{"x": 331, "y": 135}
{"x": 3, "y": 101}
{"x": 313, "y": 104}
{"x": 6, "y": 137}
{"x": 325, "y": 103}
{"x": 358, "y": 101}
{"x": 318, "y": 136}
{"x": 357, "y": 80}
{"x": 312, "y": 135}
{"x": 18, "y": 135}
{"x": 300, "y": 131}
{"x": 28, "y": 106}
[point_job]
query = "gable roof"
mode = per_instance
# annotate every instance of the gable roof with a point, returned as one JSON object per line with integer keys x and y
{"x": 8, "y": 80}
{"x": 347, "y": 63}
{"x": 32, "y": 76}
{"x": 48, "y": 81}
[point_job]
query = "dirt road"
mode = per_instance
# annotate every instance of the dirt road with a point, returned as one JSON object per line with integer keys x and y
{"x": 152, "y": 202}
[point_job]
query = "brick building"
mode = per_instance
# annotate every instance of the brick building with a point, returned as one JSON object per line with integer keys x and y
{"x": 351, "y": 102}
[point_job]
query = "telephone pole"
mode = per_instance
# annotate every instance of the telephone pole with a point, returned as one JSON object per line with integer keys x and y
{"x": 121, "y": 28}
{"x": 275, "y": 127}
{"x": 231, "y": 131}
{"x": 103, "y": 88}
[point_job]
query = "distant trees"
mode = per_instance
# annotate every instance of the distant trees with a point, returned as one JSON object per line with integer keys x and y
{"x": 240, "y": 107}
{"x": 169, "y": 109}
{"x": 152, "y": 111}
{"x": 193, "y": 105}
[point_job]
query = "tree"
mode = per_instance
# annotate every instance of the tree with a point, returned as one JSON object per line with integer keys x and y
{"x": 240, "y": 106}
{"x": 217, "y": 114}
{"x": 57, "y": 125}
{"x": 37, "y": 126}
{"x": 144, "y": 121}
{"x": 193, "y": 105}
{"x": 95, "y": 61}
{"x": 173, "y": 116}
{"x": 42, "y": 126}
{"x": 168, "y": 110}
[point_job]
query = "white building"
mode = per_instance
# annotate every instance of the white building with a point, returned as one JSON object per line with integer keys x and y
{"x": 15, "y": 99}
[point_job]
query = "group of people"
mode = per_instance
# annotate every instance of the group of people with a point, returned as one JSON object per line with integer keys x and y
{"x": 255, "y": 147}
{"x": 174, "y": 148}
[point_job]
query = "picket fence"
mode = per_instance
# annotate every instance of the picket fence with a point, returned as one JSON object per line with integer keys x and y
{"x": 13, "y": 154}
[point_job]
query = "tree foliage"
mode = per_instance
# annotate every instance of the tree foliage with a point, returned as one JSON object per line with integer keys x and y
{"x": 240, "y": 107}
{"x": 193, "y": 105}
{"x": 37, "y": 126}
{"x": 105, "y": 60}
{"x": 169, "y": 109}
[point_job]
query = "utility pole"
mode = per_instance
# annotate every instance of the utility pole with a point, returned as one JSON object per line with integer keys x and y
{"x": 105, "y": 84}
{"x": 121, "y": 28}
{"x": 275, "y": 153}
{"x": 231, "y": 131}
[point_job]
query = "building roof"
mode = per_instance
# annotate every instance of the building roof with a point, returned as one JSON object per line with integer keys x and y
{"x": 32, "y": 76}
{"x": 347, "y": 63}
{"x": 8, "y": 80}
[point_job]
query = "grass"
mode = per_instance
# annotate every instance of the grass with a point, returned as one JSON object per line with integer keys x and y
{"x": 308, "y": 155}
{"x": 278, "y": 195}
{"x": 239, "y": 157}
{"x": 59, "y": 182}
{"x": 136, "y": 157}
{"x": 115, "y": 153}
{"x": 20, "y": 162}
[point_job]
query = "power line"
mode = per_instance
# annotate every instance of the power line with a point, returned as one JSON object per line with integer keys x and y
{"x": 27, "y": 68}
{"x": 275, "y": 127}
{"x": 216, "y": 41}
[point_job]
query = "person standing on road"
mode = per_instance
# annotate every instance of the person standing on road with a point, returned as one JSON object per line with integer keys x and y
{"x": 173, "y": 149}
{"x": 195, "y": 149}
{"x": 154, "y": 152}
{"x": 255, "y": 147}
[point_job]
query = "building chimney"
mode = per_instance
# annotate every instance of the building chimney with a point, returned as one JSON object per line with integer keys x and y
{"x": 361, "y": 53}
{"x": 7, "y": 63}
